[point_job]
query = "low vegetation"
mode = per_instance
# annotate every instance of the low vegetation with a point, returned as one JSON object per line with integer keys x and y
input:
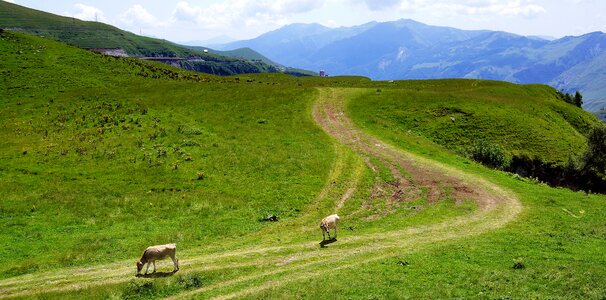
{"x": 89, "y": 146}
{"x": 528, "y": 130}
{"x": 102, "y": 157}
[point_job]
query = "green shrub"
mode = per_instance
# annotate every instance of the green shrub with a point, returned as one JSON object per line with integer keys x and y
{"x": 594, "y": 158}
{"x": 138, "y": 290}
{"x": 488, "y": 154}
{"x": 190, "y": 281}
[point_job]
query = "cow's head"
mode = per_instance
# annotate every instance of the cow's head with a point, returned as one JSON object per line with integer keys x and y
{"x": 139, "y": 267}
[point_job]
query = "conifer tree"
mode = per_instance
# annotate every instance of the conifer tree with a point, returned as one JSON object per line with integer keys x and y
{"x": 578, "y": 99}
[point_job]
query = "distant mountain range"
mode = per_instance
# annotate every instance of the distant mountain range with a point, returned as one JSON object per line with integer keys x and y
{"x": 407, "y": 49}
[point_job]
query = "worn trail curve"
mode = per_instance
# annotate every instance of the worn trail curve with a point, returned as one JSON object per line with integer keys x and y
{"x": 265, "y": 267}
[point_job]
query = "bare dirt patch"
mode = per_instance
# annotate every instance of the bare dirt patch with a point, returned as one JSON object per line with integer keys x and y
{"x": 331, "y": 117}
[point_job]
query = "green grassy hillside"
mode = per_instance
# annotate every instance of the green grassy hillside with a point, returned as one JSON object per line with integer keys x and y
{"x": 245, "y": 53}
{"x": 101, "y": 157}
{"x": 522, "y": 119}
{"x": 86, "y": 34}
{"x": 254, "y": 56}
{"x": 98, "y": 150}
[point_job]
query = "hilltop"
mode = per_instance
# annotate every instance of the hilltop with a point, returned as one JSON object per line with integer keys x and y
{"x": 406, "y": 49}
{"x": 102, "y": 156}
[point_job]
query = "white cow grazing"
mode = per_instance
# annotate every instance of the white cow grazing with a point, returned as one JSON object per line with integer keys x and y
{"x": 327, "y": 223}
{"x": 158, "y": 252}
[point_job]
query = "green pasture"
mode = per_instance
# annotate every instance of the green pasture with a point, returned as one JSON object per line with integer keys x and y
{"x": 101, "y": 157}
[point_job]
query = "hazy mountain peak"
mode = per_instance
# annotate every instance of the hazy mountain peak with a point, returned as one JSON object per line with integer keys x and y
{"x": 407, "y": 22}
{"x": 408, "y": 49}
{"x": 299, "y": 29}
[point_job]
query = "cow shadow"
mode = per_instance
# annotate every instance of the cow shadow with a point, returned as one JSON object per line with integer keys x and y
{"x": 156, "y": 275}
{"x": 327, "y": 242}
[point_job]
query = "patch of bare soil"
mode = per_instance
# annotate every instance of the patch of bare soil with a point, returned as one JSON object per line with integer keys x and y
{"x": 331, "y": 117}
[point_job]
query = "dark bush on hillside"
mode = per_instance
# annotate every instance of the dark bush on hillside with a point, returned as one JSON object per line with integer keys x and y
{"x": 549, "y": 173}
{"x": 594, "y": 159}
{"x": 488, "y": 154}
{"x": 588, "y": 173}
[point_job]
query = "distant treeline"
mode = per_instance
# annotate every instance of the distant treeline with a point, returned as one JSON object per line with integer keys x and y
{"x": 576, "y": 99}
{"x": 227, "y": 68}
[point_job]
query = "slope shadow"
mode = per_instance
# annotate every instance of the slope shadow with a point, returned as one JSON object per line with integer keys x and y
{"x": 327, "y": 242}
{"x": 156, "y": 275}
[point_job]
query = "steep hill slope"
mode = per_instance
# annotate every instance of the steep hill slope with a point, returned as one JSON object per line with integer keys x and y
{"x": 457, "y": 114}
{"x": 406, "y": 49}
{"x": 85, "y": 34}
{"x": 254, "y": 56}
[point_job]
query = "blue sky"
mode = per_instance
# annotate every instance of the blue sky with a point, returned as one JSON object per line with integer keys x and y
{"x": 200, "y": 20}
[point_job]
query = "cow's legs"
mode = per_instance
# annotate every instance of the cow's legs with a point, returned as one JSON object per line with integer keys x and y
{"x": 147, "y": 270}
{"x": 154, "y": 266}
{"x": 175, "y": 263}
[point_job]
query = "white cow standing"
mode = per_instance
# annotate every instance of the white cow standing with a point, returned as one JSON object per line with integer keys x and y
{"x": 328, "y": 223}
{"x": 158, "y": 252}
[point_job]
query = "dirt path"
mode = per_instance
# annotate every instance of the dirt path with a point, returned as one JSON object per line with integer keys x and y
{"x": 497, "y": 208}
{"x": 274, "y": 266}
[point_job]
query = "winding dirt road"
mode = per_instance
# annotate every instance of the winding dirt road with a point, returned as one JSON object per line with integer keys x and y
{"x": 264, "y": 267}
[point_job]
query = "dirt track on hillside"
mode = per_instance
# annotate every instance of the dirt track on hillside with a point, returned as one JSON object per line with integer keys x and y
{"x": 277, "y": 265}
{"x": 332, "y": 118}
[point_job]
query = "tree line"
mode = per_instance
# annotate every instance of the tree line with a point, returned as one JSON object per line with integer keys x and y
{"x": 576, "y": 99}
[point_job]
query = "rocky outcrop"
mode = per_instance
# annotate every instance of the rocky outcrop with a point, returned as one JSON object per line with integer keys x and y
{"x": 118, "y": 52}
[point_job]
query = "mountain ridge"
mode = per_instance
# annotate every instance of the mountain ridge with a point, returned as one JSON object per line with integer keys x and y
{"x": 408, "y": 49}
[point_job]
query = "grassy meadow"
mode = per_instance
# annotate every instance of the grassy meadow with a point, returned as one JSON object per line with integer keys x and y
{"x": 102, "y": 157}
{"x": 141, "y": 159}
{"x": 522, "y": 119}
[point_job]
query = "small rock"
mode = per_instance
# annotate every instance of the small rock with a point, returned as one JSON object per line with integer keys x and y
{"x": 270, "y": 218}
{"x": 403, "y": 263}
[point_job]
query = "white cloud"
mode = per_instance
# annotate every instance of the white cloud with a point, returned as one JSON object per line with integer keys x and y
{"x": 381, "y": 4}
{"x": 239, "y": 13}
{"x": 524, "y": 8}
{"x": 137, "y": 15}
{"x": 185, "y": 12}
{"x": 87, "y": 13}
{"x": 488, "y": 7}
{"x": 293, "y": 6}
